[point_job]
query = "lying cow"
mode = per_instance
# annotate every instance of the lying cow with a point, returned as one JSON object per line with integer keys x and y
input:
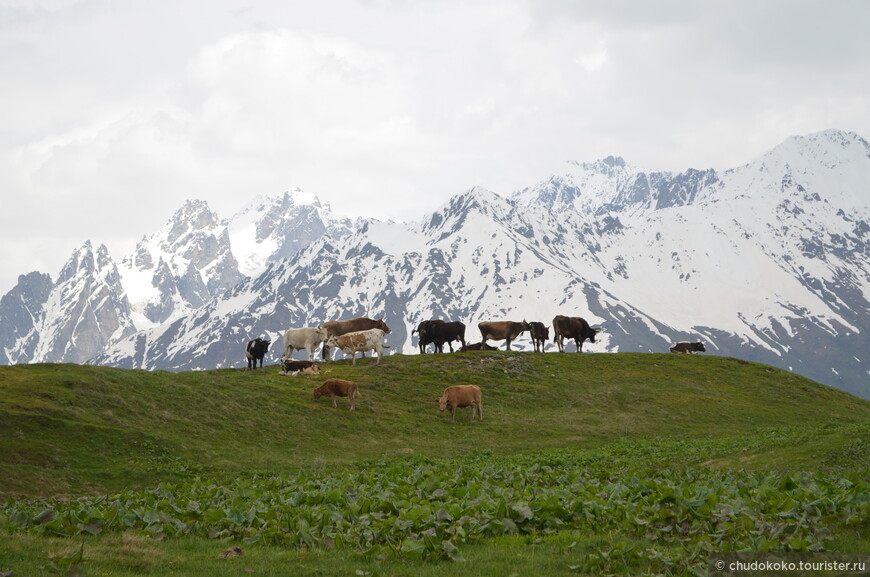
{"x": 342, "y": 327}
{"x": 572, "y": 328}
{"x": 307, "y": 338}
{"x": 293, "y": 368}
{"x": 333, "y": 388}
{"x": 540, "y": 335}
{"x": 459, "y": 396}
{"x": 480, "y": 347}
{"x": 255, "y": 351}
{"x": 502, "y": 331}
{"x": 688, "y": 348}
{"x": 359, "y": 342}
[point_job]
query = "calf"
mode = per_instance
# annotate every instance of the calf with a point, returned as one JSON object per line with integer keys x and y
{"x": 293, "y": 368}
{"x": 333, "y": 388}
{"x": 308, "y": 338}
{"x": 540, "y": 334}
{"x": 459, "y": 396}
{"x": 502, "y": 331}
{"x": 255, "y": 351}
{"x": 688, "y": 348}
{"x": 359, "y": 341}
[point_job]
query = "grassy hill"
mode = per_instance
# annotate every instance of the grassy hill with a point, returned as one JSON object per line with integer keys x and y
{"x": 69, "y": 429}
{"x": 594, "y": 458}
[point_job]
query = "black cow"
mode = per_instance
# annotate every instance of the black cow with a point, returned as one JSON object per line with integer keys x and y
{"x": 439, "y": 332}
{"x": 255, "y": 351}
{"x": 480, "y": 347}
{"x": 572, "y": 328}
{"x": 540, "y": 335}
{"x": 688, "y": 348}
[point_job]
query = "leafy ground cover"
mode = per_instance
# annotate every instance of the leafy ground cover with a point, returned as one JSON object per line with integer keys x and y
{"x": 635, "y": 464}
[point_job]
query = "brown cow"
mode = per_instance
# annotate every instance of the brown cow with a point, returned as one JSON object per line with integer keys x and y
{"x": 333, "y": 388}
{"x": 459, "y": 396}
{"x": 540, "y": 335}
{"x": 502, "y": 331}
{"x": 573, "y": 328}
{"x": 337, "y": 328}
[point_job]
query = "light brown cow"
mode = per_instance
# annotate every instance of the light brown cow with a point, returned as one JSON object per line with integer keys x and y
{"x": 502, "y": 331}
{"x": 459, "y": 396}
{"x": 336, "y": 328}
{"x": 333, "y": 388}
{"x": 360, "y": 342}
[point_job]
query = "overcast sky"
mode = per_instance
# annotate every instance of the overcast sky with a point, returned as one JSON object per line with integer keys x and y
{"x": 112, "y": 112}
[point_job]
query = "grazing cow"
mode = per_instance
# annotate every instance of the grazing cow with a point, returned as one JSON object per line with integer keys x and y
{"x": 572, "y": 328}
{"x": 336, "y": 328}
{"x": 293, "y": 368}
{"x": 305, "y": 338}
{"x": 333, "y": 388}
{"x": 359, "y": 341}
{"x": 459, "y": 396}
{"x": 540, "y": 334}
{"x": 502, "y": 331}
{"x": 255, "y": 351}
{"x": 480, "y": 347}
{"x": 688, "y": 348}
{"x": 439, "y": 332}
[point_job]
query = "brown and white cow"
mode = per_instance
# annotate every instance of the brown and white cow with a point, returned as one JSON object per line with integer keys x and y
{"x": 501, "y": 331}
{"x": 342, "y": 327}
{"x": 359, "y": 342}
{"x": 540, "y": 334}
{"x": 572, "y": 328}
{"x": 333, "y": 388}
{"x": 308, "y": 338}
{"x": 688, "y": 348}
{"x": 293, "y": 368}
{"x": 459, "y": 396}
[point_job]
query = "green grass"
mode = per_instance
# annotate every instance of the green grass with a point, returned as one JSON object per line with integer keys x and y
{"x": 630, "y": 424}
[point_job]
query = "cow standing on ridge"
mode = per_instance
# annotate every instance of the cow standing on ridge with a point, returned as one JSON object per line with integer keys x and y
{"x": 501, "y": 331}
{"x": 572, "y": 328}
{"x": 540, "y": 335}
{"x": 338, "y": 328}
{"x": 255, "y": 351}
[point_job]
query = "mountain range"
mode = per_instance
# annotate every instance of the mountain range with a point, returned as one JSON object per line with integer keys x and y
{"x": 767, "y": 262}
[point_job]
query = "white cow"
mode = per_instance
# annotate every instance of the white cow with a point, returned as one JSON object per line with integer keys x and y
{"x": 359, "y": 342}
{"x": 304, "y": 338}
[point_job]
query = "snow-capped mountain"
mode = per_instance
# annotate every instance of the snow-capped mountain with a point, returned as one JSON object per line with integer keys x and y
{"x": 72, "y": 320}
{"x": 768, "y": 262}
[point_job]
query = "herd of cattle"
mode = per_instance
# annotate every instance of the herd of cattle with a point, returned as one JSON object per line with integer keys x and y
{"x": 362, "y": 334}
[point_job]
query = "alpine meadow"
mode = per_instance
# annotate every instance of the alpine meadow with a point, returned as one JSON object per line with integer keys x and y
{"x": 623, "y": 464}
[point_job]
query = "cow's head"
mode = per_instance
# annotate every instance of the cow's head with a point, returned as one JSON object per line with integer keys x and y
{"x": 442, "y": 403}
{"x": 525, "y": 326}
{"x": 699, "y": 346}
{"x": 592, "y": 333}
{"x": 380, "y": 324}
{"x": 318, "y": 392}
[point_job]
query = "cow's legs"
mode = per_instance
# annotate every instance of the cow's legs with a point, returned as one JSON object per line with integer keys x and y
{"x": 508, "y": 344}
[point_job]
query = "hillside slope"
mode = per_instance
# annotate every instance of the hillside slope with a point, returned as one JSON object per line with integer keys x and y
{"x": 70, "y": 429}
